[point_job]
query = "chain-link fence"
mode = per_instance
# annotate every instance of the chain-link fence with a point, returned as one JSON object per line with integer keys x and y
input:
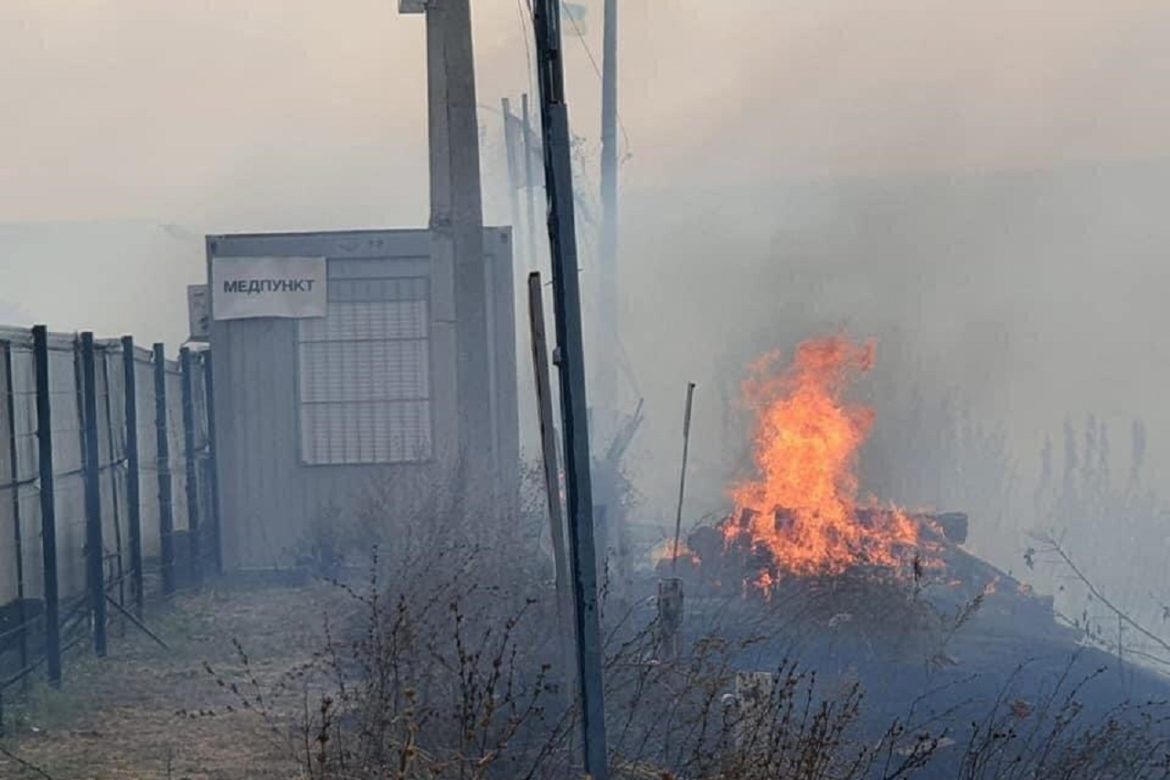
{"x": 108, "y": 497}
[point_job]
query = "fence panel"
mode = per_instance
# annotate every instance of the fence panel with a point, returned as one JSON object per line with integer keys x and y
{"x": 148, "y": 474}
{"x": 112, "y": 459}
{"x": 9, "y": 553}
{"x": 69, "y": 479}
{"x": 20, "y": 567}
{"x": 12, "y": 618}
{"x": 27, "y": 491}
{"x": 203, "y": 464}
{"x": 178, "y": 461}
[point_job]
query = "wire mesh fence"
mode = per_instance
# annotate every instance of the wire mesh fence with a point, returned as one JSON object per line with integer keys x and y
{"x": 107, "y": 491}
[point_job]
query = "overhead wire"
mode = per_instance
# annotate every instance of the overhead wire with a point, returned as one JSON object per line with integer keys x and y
{"x": 524, "y": 30}
{"x": 600, "y": 77}
{"x": 588, "y": 53}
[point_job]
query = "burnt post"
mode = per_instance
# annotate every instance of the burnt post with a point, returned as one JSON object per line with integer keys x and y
{"x": 95, "y": 549}
{"x": 755, "y": 701}
{"x": 548, "y": 451}
{"x": 192, "y": 467}
{"x": 133, "y": 487}
{"x": 212, "y": 463}
{"x": 670, "y": 618}
{"x": 166, "y": 511}
{"x": 48, "y": 506}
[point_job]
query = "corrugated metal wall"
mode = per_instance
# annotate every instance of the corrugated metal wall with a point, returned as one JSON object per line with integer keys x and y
{"x": 271, "y": 494}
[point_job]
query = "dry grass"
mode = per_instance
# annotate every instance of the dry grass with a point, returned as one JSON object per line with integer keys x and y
{"x": 143, "y": 711}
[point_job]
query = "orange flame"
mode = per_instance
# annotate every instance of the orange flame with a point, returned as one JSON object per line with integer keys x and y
{"x": 802, "y": 508}
{"x": 664, "y": 552}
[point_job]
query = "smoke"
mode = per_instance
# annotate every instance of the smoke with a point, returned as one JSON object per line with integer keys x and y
{"x": 977, "y": 187}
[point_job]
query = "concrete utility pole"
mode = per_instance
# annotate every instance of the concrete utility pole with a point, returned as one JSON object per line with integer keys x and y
{"x": 530, "y": 185}
{"x": 510, "y": 142}
{"x": 558, "y": 175}
{"x": 607, "y": 368}
{"x": 457, "y": 223}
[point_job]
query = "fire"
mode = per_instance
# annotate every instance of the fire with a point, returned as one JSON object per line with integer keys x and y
{"x": 664, "y": 553}
{"x": 802, "y": 507}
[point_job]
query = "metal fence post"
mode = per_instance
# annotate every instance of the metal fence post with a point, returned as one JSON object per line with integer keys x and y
{"x": 166, "y": 518}
{"x": 212, "y": 461}
{"x": 48, "y": 509}
{"x": 133, "y": 494}
{"x": 95, "y": 548}
{"x": 192, "y": 469}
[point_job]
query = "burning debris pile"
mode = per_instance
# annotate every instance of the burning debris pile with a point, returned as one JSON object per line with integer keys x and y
{"x": 802, "y": 509}
{"x": 799, "y": 526}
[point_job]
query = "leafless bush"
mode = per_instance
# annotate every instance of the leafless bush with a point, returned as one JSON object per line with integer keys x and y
{"x": 457, "y": 674}
{"x": 1100, "y": 529}
{"x": 447, "y": 664}
{"x": 1056, "y": 737}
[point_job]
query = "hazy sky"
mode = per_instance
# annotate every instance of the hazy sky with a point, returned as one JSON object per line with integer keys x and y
{"x": 239, "y": 110}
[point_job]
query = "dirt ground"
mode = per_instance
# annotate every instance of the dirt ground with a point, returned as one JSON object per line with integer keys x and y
{"x": 145, "y": 712}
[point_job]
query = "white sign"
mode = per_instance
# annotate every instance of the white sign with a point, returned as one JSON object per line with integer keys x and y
{"x": 198, "y": 313}
{"x": 244, "y": 287}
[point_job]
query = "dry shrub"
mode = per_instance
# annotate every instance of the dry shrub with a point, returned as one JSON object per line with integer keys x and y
{"x": 449, "y": 665}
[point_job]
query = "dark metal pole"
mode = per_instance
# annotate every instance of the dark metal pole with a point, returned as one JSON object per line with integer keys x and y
{"x": 212, "y": 462}
{"x": 682, "y": 482}
{"x": 95, "y": 549}
{"x": 192, "y": 470}
{"x": 48, "y": 506}
{"x": 571, "y": 360}
{"x": 166, "y": 516}
{"x": 133, "y": 473}
{"x": 529, "y": 184}
{"x": 14, "y": 474}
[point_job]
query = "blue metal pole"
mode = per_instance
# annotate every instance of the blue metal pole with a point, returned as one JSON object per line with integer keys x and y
{"x": 133, "y": 472}
{"x": 571, "y": 361}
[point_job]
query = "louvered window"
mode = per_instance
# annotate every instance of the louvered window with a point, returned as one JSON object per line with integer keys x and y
{"x": 364, "y": 374}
